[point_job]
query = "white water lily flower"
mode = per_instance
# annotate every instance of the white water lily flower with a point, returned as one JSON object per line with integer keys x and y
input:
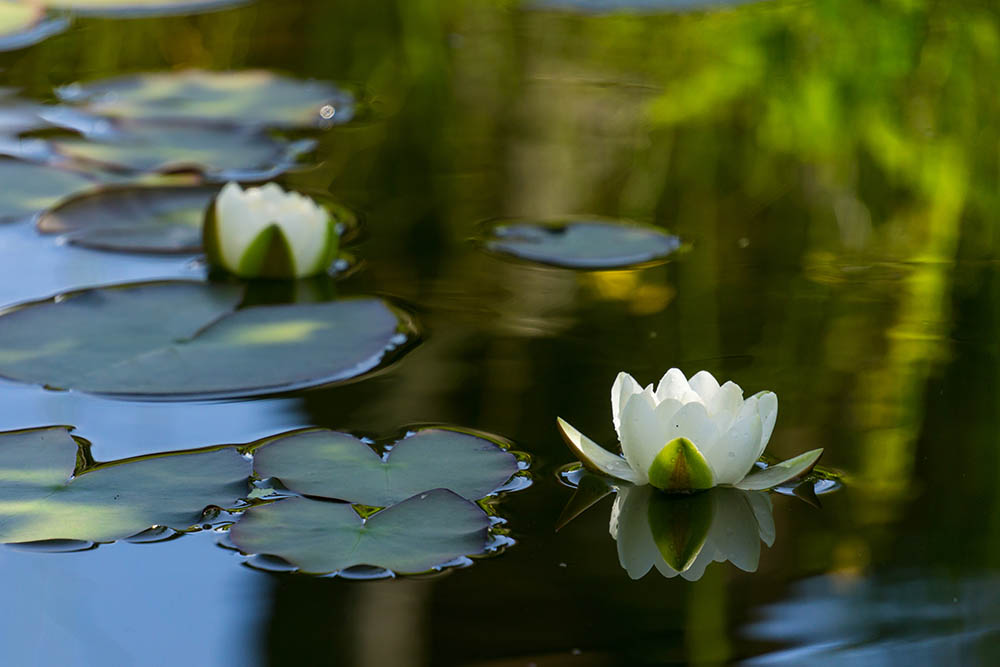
{"x": 684, "y": 534}
{"x": 265, "y": 232}
{"x": 688, "y": 435}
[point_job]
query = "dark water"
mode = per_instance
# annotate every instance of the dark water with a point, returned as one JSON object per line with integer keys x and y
{"x": 834, "y": 167}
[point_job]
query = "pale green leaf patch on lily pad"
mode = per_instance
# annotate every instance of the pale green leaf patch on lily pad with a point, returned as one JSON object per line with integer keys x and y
{"x": 137, "y": 218}
{"x": 220, "y": 153}
{"x": 255, "y": 98}
{"x": 28, "y": 188}
{"x": 338, "y": 465}
{"x": 48, "y": 491}
{"x": 779, "y": 473}
{"x": 580, "y": 243}
{"x": 185, "y": 340}
{"x": 320, "y": 537}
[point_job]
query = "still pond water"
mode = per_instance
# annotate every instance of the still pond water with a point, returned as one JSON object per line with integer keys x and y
{"x": 832, "y": 170}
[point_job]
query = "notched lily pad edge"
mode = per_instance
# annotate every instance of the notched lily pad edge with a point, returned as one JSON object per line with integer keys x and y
{"x": 483, "y": 236}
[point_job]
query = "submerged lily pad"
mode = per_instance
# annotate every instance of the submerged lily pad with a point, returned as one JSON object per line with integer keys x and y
{"x": 338, "y": 465}
{"x": 255, "y": 98}
{"x": 319, "y": 537}
{"x": 580, "y": 243}
{"x": 184, "y": 340}
{"x": 46, "y": 494}
{"x": 161, "y": 219}
{"x": 121, "y": 8}
{"x": 23, "y": 24}
{"x": 30, "y": 188}
{"x": 220, "y": 153}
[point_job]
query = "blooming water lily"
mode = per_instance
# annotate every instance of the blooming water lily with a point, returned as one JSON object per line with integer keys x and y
{"x": 688, "y": 435}
{"x": 266, "y": 232}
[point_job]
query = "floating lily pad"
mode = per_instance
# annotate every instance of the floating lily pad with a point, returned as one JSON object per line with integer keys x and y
{"x": 338, "y": 465}
{"x": 45, "y": 493}
{"x": 580, "y": 243}
{"x": 23, "y": 24}
{"x": 151, "y": 218}
{"x": 182, "y": 340}
{"x": 255, "y": 98}
{"x": 160, "y": 219}
{"x": 120, "y": 8}
{"x": 220, "y": 153}
{"x": 319, "y": 537}
{"x": 29, "y": 188}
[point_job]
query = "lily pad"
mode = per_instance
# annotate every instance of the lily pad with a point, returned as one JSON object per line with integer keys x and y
{"x": 255, "y": 98}
{"x": 220, "y": 153}
{"x": 319, "y": 537}
{"x": 156, "y": 219}
{"x": 185, "y": 340}
{"x": 582, "y": 243}
{"x": 30, "y": 188}
{"x": 49, "y": 492}
{"x": 338, "y": 465}
{"x": 124, "y": 8}
{"x": 23, "y": 24}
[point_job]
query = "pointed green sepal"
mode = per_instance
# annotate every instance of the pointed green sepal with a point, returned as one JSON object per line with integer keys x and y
{"x": 268, "y": 256}
{"x": 779, "y": 473}
{"x": 210, "y": 237}
{"x": 680, "y": 525}
{"x": 680, "y": 467}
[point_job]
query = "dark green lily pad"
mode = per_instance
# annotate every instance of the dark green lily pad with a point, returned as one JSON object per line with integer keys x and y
{"x": 183, "y": 340}
{"x": 125, "y": 8}
{"x": 155, "y": 219}
{"x": 580, "y": 243}
{"x": 28, "y": 189}
{"x": 255, "y": 98}
{"x": 220, "y": 153}
{"x": 49, "y": 492}
{"x": 338, "y": 465}
{"x": 320, "y": 537}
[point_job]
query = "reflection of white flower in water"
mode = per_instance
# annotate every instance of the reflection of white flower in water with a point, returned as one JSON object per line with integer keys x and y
{"x": 683, "y": 534}
{"x": 269, "y": 233}
{"x": 688, "y": 435}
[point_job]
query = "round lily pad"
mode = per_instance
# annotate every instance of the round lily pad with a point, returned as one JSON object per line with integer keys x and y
{"x": 23, "y": 24}
{"x": 156, "y": 219}
{"x": 320, "y": 537}
{"x": 221, "y": 153}
{"x": 123, "y": 8}
{"x": 185, "y": 340}
{"x": 338, "y": 465}
{"x": 583, "y": 243}
{"x": 29, "y": 188}
{"x": 45, "y": 494}
{"x": 256, "y": 98}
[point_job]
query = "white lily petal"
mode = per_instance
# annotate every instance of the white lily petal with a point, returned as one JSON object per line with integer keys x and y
{"x": 734, "y": 454}
{"x": 772, "y": 476}
{"x": 763, "y": 512}
{"x": 705, "y": 385}
{"x": 697, "y": 569}
{"x": 595, "y": 457}
{"x": 622, "y": 390}
{"x": 636, "y": 548}
{"x": 666, "y": 410}
{"x": 726, "y": 404}
{"x": 673, "y": 384}
{"x": 691, "y": 421}
{"x": 734, "y": 531}
{"x": 767, "y": 407}
{"x": 642, "y": 437}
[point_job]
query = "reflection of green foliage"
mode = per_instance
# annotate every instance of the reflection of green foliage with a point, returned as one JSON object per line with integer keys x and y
{"x": 44, "y": 496}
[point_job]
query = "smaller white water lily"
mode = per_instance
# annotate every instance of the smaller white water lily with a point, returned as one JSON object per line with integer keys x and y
{"x": 684, "y": 534}
{"x": 688, "y": 435}
{"x": 265, "y": 232}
